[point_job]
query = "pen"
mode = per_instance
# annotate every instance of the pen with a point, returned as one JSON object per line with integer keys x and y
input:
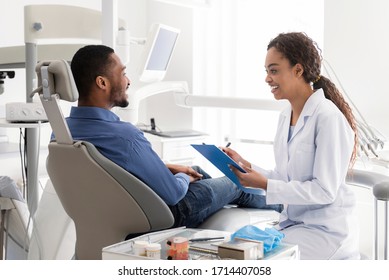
{"x": 228, "y": 144}
{"x": 205, "y": 239}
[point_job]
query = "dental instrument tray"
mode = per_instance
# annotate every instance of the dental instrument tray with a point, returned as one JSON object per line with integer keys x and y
{"x": 201, "y": 244}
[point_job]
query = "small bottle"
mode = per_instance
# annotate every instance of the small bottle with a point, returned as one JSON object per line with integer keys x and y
{"x": 153, "y": 251}
{"x": 139, "y": 248}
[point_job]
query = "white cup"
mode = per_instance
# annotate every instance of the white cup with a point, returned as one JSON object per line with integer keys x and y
{"x": 139, "y": 248}
{"x": 153, "y": 251}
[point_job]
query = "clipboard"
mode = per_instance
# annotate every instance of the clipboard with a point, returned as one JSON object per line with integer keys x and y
{"x": 222, "y": 161}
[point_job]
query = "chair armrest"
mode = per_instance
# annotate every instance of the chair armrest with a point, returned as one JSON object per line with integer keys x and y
{"x": 378, "y": 182}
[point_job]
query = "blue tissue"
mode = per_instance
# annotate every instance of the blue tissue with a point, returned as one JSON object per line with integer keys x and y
{"x": 270, "y": 237}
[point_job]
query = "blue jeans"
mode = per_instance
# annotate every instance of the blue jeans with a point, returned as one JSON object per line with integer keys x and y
{"x": 208, "y": 195}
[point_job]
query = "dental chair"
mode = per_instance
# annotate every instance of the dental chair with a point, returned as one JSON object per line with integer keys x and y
{"x": 105, "y": 202}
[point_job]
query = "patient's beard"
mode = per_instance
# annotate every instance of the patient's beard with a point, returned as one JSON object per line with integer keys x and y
{"x": 123, "y": 103}
{"x": 119, "y": 98}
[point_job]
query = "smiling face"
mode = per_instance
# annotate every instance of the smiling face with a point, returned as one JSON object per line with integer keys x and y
{"x": 119, "y": 83}
{"x": 283, "y": 78}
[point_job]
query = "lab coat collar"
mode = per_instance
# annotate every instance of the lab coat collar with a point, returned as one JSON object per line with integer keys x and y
{"x": 308, "y": 110}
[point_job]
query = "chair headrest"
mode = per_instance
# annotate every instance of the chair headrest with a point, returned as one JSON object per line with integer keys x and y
{"x": 55, "y": 77}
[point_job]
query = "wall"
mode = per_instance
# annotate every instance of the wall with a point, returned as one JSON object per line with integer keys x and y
{"x": 356, "y": 45}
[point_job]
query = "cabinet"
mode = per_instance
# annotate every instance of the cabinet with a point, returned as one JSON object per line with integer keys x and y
{"x": 177, "y": 150}
{"x": 32, "y": 149}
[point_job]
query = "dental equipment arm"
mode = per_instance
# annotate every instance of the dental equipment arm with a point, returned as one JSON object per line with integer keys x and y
{"x": 366, "y": 136}
{"x": 188, "y": 100}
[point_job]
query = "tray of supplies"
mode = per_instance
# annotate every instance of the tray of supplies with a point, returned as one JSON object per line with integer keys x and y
{"x": 193, "y": 244}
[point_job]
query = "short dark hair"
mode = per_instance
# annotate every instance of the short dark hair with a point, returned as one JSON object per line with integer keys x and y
{"x": 88, "y": 63}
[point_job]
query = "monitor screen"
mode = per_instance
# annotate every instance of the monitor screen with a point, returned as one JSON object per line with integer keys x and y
{"x": 159, "y": 47}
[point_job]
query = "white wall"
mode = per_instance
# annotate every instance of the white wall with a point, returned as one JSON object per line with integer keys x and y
{"x": 356, "y": 45}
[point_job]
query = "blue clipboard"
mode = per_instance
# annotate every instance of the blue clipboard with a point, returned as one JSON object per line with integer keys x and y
{"x": 222, "y": 161}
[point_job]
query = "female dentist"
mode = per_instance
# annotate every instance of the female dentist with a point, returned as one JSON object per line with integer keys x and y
{"x": 314, "y": 147}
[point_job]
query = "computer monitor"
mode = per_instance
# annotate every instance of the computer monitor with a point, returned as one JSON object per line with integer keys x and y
{"x": 157, "y": 54}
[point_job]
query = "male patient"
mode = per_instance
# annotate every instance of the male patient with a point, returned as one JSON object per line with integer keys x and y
{"x": 190, "y": 193}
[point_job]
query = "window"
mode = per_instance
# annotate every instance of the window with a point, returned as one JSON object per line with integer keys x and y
{"x": 230, "y": 38}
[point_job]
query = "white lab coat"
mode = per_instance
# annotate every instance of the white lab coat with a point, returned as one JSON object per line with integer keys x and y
{"x": 309, "y": 179}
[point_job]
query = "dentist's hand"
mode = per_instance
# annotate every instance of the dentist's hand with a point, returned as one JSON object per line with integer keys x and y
{"x": 251, "y": 178}
{"x": 235, "y": 156}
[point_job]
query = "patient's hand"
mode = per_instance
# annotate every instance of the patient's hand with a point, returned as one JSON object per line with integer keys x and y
{"x": 193, "y": 174}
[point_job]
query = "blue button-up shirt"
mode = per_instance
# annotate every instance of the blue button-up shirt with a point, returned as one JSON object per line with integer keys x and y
{"x": 125, "y": 144}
